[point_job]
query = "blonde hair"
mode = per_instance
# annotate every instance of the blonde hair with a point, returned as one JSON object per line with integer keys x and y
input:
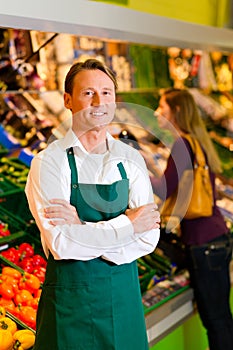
{"x": 188, "y": 119}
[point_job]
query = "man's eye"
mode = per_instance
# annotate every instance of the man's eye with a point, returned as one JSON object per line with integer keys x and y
{"x": 89, "y": 93}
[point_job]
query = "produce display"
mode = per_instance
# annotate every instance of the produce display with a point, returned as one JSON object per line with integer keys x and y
{"x": 12, "y": 337}
{"x": 4, "y": 230}
{"x": 22, "y": 273}
{"x": 3, "y": 150}
{"x": 9, "y": 226}
{"x": 24, "y": 257}
{"x": 20, "y": 293}
{"x": 14, "y": 170}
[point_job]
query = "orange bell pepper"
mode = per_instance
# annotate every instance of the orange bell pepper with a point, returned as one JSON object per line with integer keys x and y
{"x": 29, "y": 282}
{"x": 28, "y": 315}
{"x": 12, "y": 272}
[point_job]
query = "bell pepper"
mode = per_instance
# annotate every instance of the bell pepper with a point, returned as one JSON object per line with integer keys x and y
{"x": 6, "y": 340}
{"x": 22, "y": 297}
{"x": 27, "y": 314}
{"x": 6, "y": 290}
{"x": 8, "y": 324}
{"x": 2, "y": 311}
{"x": 4, "y": 230}
{"x": 26, "y": 250}
{"x": 12, "y": 254}
{"x": 12, "y": 272}
{"x": 29, "y": 282}
{"x": 23, "y": 339}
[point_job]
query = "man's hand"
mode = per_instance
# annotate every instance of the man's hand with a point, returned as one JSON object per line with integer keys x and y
{"x": 61, "y": 212}
{"x": 144, "y": 218}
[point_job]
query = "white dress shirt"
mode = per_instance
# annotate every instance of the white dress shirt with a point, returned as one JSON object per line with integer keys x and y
{"x": 114, "y": 239}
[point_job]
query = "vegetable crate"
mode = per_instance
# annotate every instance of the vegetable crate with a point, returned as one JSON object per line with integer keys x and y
{"x": 10, "y": 227}
{"x": 21, "y": 237}
{"x": 3, "y": 150}
{"x": 7, "y": 186}
{"x": 16, "y": 203}
{"x": 14, "y": 334}
{"x": 14, "y": 170}
{"x": 145, "y": 274}
{"x": 20, "y": 288}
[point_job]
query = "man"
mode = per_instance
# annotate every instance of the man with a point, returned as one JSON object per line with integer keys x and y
{"x": 92, "y": 201}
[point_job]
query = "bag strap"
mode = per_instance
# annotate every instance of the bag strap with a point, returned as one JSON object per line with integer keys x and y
{"x": 197, "y": 150}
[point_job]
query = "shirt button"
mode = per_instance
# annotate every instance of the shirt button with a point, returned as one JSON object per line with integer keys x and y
{"x": 75, "y": 186}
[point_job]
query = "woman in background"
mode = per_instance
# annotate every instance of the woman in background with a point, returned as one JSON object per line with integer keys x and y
{"x": 207, "y": 240}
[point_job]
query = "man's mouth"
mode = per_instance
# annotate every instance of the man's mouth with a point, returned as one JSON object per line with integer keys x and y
{"x": 98, "y": 114}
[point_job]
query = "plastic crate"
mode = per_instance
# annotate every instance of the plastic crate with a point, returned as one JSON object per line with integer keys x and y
{"x": 145, "y": 280}
{"x": 15, "y": 226}
{"x": 16, "y": 203}
{"x": 18, "y": 238}
{"x": 9, "y": 313}
{"x": 14, "y": 170}
{"x": 20, "y": 324}
{"x": 3, "y": 150}
{"x": 7, "y": 186}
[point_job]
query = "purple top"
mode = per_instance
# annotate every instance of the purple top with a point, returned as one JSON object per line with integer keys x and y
{"x": 193, "y": 231}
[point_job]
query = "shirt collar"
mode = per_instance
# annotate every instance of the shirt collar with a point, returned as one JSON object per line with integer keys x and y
{"x": 71, "y": 140}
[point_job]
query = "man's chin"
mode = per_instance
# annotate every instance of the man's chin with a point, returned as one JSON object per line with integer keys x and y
{"x": 100, "y": 127}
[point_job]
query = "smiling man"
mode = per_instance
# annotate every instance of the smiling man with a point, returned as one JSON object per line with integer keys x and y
{"x": 93, "y": 203}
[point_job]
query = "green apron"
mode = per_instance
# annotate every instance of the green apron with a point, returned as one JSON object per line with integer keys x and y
{"x": 94, "y": 304}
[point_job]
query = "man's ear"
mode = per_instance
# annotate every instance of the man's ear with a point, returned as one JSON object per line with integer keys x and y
{"x": 67, "y": 101}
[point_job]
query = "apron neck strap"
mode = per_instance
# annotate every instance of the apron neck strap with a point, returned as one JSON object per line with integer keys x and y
{"x": 74, "y": 175}
{"x": 122, "y": 170}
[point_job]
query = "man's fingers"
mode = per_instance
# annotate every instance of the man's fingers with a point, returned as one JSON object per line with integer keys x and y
{"x": 62, "y": 202}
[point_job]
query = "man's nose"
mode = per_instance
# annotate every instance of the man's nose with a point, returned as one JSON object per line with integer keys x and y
{"x": 96, "y": 100}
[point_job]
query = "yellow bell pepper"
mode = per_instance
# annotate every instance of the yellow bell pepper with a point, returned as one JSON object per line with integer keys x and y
{"x": 23, "y": 339}
{"x": 2, "y": 312}
{"x": 6, "y": 340}
{"x": 7, "y": 324}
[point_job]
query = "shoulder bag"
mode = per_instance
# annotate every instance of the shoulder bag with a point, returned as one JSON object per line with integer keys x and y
{"x": 194, "y": 195}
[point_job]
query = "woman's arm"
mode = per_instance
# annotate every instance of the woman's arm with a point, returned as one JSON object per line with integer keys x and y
{"x": 180, "y": 159}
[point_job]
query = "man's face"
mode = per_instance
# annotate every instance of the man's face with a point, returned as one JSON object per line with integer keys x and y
{"x": 92, "y": 101}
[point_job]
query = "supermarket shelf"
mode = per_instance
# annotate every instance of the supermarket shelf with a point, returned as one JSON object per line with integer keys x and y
{"x": 164, "y": 319}
{"x": 80, "y": 17}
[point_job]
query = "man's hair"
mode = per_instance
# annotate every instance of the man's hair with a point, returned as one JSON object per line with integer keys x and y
{"x": 90, "y": 64}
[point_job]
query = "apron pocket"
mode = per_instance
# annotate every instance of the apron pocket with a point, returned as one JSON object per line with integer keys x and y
{"x": 65, "y": 322}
